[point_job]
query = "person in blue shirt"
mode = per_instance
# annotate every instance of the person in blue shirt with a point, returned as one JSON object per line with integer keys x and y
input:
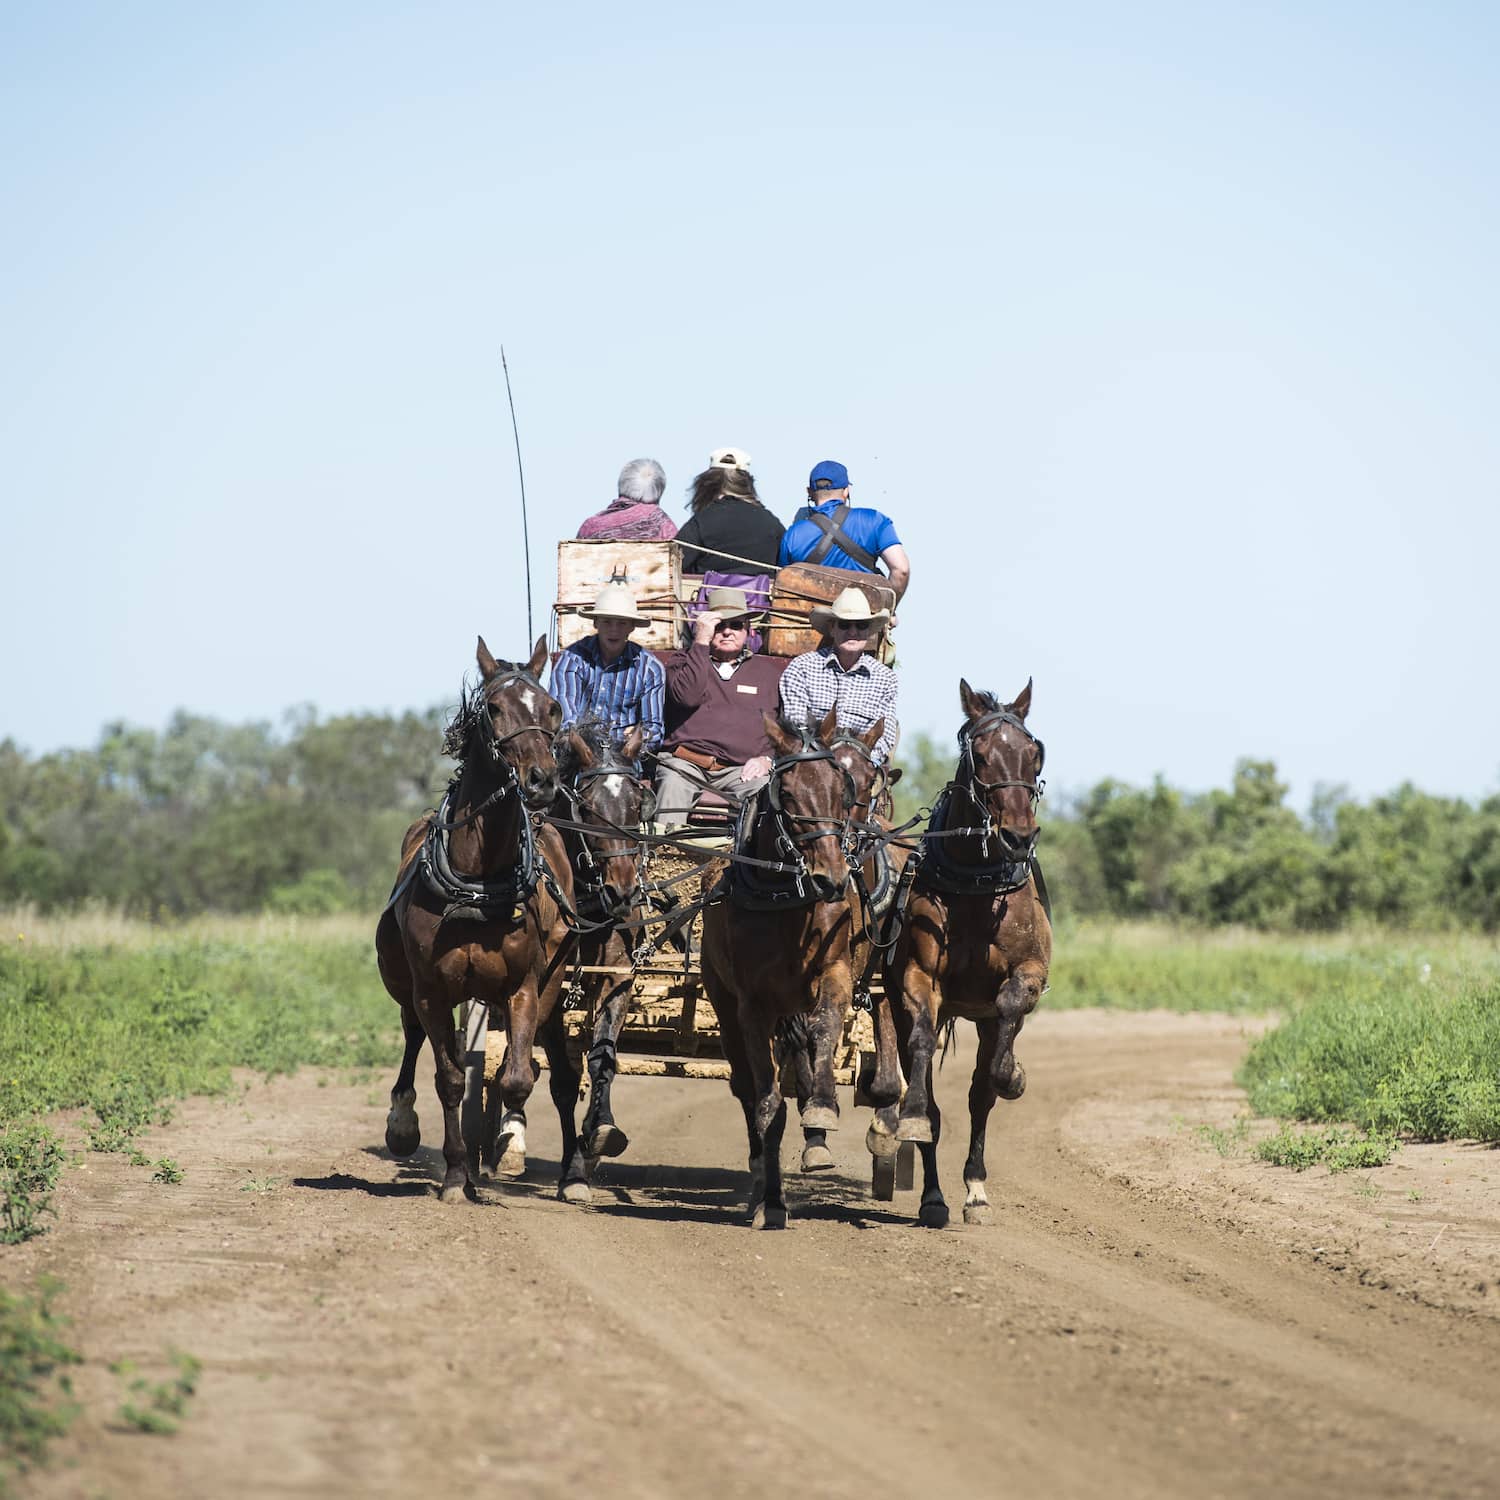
{"x": 828, "y": 530}
{"x": 607, "y": 676}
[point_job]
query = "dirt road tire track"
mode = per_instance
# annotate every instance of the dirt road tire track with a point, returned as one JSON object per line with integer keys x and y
{"x": 360, "y": 1338}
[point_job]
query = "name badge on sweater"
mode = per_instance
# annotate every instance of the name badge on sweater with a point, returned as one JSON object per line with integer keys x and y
{"x": 746, "y": 687}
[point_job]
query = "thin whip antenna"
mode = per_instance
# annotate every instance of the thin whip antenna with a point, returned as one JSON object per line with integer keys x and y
{"x": 525, "y": 529}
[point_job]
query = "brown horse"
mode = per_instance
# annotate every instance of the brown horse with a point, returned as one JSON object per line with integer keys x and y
{"x": 779, "y": 954}
{"x": 976, "y": 941}
{"x": 477, "y": 913}
{"x": 602, "y": 790}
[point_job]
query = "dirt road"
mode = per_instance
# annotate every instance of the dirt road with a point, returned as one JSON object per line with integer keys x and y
{"x": 1100, "y": 1338}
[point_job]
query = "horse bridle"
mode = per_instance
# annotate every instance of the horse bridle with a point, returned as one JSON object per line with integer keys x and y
{"x": 790, "y": 843}
{"x": 972, "y": 784}
{"x": 495, "y": 744}
{"x": 591, "y": 876}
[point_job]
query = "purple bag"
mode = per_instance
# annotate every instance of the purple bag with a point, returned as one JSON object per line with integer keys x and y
{"x": 757, "y": 587}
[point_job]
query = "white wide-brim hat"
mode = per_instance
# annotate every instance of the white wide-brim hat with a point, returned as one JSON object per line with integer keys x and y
{"x": 852, "y": 604}
{"x": 729, "y": 458}
{"x": 615, "y": 602}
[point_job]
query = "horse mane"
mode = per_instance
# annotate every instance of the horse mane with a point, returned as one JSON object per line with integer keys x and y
{"x": 472, "y": 704}
{"x": 594, "y": 732}
{"x": 715, "y": 483}
{"x": 988, "y": 701}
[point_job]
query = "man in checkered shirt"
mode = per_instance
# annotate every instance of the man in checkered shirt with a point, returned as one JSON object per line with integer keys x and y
{"x": 844, "y": 674}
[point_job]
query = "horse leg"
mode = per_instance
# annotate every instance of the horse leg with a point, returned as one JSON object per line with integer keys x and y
{"x": 880, "y": 1139}
{"x": 914, "y": 1122}
{"x": 982, "y": 1096}
{"x": 933, "y": 1212}
{"x": 822, "y": 1111}
{"x": 516, "y": 1080}
{"x": 1016, "y": 1000}
{"x": 767, "y": 1118}
{"x": 562, "y": 1080}
{"x": 603, "y": 1136}
{"x": 402, "y": 1132}
{"x": 884, "y": 1087}
{"x": 476, "y": 1014}
{"x": 436, "y": 1016}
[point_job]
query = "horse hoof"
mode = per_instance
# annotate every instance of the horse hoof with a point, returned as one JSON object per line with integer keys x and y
{"x": 574, "y": 1192}
{"x": 914, "y": 1128}
{"x": 608, "y": 1140}
{"x": 879, "y": 1142}
{"x": 820, "y": 1117}
{"x": 767, "y": 1217}
{"x": 456, "y": 1192}
{"x": 1015, "y": 1086}
{"x": 512, "y": 1161}
{"x": 400, "y": 1143}
{"x": 883, "y": 1178}
{"x": 817, "y": 1159}
{"x": 978, "y": 1213}
{"x": 933, "y": 1215}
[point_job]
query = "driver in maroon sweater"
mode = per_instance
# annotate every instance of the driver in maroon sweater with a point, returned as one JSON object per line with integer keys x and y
{"x": 719, "y": 691}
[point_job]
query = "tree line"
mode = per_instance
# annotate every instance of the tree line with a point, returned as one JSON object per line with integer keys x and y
{"x": 307, "y": 817}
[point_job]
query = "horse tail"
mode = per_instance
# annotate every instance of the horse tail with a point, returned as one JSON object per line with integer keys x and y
{"x": 949, "y": 1027}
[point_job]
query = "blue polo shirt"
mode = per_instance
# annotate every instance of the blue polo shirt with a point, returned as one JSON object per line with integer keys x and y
{"x": 866, "y": 528}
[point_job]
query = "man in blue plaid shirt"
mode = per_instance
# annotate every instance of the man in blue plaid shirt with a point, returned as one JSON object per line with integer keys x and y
{"x": 843, "y": 674}
{"x": 607, "y": 676}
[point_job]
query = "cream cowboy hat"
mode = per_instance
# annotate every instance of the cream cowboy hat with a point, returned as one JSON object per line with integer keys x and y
{"x": 852, "y": 604}
{"x": 731, "y": 604}
{"x": 615, "y": 602}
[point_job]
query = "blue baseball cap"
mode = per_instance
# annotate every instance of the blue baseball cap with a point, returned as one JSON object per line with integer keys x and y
{"x": 828, "y": 476}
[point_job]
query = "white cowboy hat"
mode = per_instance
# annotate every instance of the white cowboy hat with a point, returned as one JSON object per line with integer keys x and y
{"x": 852, "y": 604}
{"x": 730, "y": 604}
{"x": 729, "y": 458}
{"x": 615, "y": 602}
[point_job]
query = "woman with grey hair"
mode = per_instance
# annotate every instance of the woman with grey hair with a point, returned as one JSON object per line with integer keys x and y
{"x": 635, "y": 515}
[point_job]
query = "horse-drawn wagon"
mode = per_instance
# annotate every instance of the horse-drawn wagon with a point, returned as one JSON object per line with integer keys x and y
{"x": 669, "y": 1028}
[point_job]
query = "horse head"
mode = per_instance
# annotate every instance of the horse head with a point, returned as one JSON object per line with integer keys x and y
{"x": 516, "y": 720}
{"x": 820, "y": 781}
{"x": 604, "y": 790}
{"x": 1000, "y": 766}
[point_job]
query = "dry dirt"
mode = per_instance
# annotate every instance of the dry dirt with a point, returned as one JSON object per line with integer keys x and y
{"x": 1144, "y": 1317}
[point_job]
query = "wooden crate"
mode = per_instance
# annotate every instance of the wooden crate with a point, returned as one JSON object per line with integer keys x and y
{"x": 800, "y": 588}
{"x": 653, "y": 572}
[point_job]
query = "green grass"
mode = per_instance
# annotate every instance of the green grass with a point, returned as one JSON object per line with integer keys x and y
{"x": 1164, "y": 966}
{"x": 1412, "y": 1060}
{"x": 36, "y": 1402}
{"x": 31, "y": 1160}
{"x": 1340, "y": 1150}
{"x": 123, "y": 1029}
{"x": 159, "y": 1405}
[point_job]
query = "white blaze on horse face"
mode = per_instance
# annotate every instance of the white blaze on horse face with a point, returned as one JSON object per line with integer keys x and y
{"x": 529, "y": 699}
{"x": 614, "y": 784}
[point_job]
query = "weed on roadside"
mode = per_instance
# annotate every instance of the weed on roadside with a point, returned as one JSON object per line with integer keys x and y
{"x": 31, "y": 1160}
{"x": 158, "y": 1406}
{"x": 1227, "y": 1142}
{"x": 1337, "y": 1149}
{"x": 260, "y": 1185}
{"x": 167, "y": 1171}
{"x": 36, "y": 1395}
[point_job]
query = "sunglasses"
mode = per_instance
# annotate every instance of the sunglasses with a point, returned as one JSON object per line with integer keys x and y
{"x": 740, "y": 624}
{"x": 860, "y": 626}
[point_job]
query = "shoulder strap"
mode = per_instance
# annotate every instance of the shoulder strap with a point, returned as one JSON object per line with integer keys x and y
{"x": 833, "y": 532}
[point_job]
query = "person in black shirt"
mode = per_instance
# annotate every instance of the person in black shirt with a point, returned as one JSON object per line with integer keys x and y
{"x": 729, "y": 530}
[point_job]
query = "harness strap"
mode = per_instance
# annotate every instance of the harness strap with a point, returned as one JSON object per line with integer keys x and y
{"x": 835, "y": 535}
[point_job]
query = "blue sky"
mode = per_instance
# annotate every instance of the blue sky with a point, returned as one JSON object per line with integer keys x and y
{"x": 1166, "y": 333}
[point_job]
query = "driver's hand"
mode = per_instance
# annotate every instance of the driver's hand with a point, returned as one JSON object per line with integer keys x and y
{"x": 704, "y": 627}
{"x": 755, "y": 768}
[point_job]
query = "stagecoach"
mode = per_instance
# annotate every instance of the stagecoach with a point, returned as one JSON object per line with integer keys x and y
{"x": 670, "y": 1030}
